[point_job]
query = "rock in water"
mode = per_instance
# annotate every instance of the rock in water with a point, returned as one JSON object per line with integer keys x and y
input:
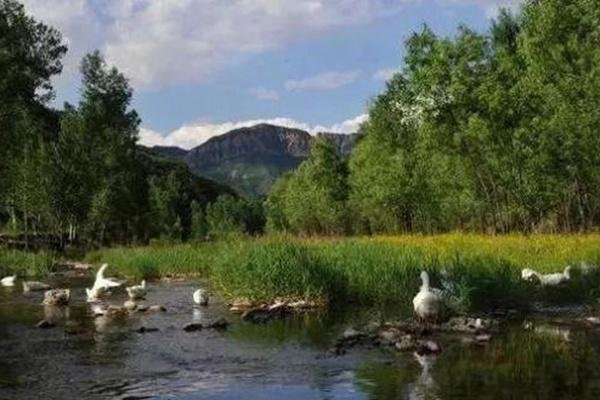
{"x": 142, "y": 308}
{"x": 220, "y": 324}
{"x": 143, "y": 329}
{"x": 32, "y": 286}
{"x": 407, "y": 343}
{"x": 156, "y": 308}
{"x": 483, "y": 338}
{"x": 428, "y": 347}
{"x": 57, "y": 297}
{"x": 130, "y": 305}
{"x": 257, "y": 316}
{"x": 593, "y": 320}
{"x": 193, "y": 327}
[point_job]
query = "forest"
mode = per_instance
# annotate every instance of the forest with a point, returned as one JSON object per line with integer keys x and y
{"x": 78, "y": 173}
{"x": 490, "y": 132}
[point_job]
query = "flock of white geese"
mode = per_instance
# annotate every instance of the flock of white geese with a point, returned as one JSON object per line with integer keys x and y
{"x": 100, "y": 290}
{"x": 428, "y": 303}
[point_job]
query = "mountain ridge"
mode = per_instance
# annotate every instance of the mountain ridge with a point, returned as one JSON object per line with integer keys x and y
{"x": 250, "y": 159}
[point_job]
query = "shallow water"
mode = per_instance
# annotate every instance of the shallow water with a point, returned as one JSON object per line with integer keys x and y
{"x": 280, "y": 360}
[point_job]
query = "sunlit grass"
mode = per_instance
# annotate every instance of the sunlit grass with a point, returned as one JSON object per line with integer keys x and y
{"x": 379, "y": 271}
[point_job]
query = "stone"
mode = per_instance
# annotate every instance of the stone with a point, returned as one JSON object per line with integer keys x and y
{"x": 389, "y": 336}
{"x": 240, "y": 306}
{"x": 57, "y": 297}
{"x": 352, "y": 334}
{"x": 193, "y": 327}
{"x": 257, "y": 316}
{"x": 372, "y": 327}
{"x": 407, "y": 343}
{"x": 279, "y": 308}
{"x": 143, "y": 329}
{"x": 156, "y": 308}
{"x": 116, "y": 312}
{"x": 300, "y": 304}
{"x": 44, "y": 324}
{"x": 219, "y": 324}
{"x": 33, "y": 286}
{"x": 130, "y": 305}
{"x": 483, "y": 338}
{"x": 428, "y": 347}
{"x": 593, "y": 320}
{"x": 142, "y": 308}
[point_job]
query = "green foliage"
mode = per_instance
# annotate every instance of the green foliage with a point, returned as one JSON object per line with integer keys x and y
{"x": 25, "y": 263}
{"x": 312, "y": 200}
{"x": 231, "y": 215}
{"x": 278, "y": 269}
{"x": 382, "y": 271}
{"x": 78, "y": 174}
{"x": 493, "y": 132}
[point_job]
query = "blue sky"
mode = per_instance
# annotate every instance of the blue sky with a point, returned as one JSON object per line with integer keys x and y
{"x": 202, "y": 67}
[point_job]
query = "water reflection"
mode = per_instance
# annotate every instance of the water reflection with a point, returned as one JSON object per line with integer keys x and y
{"x": 424, "y": 387}
{"x": 56, "y": 314}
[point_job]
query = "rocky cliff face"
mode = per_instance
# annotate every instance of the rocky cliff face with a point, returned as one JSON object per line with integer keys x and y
{"x": 251, "y": 159}
{"x": 255, "y": 143}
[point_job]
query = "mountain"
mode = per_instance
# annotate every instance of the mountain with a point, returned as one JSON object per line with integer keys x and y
{"x": 251, "y": 159}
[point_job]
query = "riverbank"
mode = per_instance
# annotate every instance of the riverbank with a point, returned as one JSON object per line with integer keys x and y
{"x": 369, "y": 271}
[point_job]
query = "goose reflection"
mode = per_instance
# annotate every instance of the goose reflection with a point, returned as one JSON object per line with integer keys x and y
{"x": 55, "y": 314}
{"x": 198, "y": 315}
{"x": 424, "y": 387}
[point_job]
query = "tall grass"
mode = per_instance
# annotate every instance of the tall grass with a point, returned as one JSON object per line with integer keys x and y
{"x": 164, "y": 260}
{"x": 25, "y": 263}
{"x": 378, "y": 271}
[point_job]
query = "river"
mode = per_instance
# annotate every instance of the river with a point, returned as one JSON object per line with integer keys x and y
{"x": 87, "y": 357}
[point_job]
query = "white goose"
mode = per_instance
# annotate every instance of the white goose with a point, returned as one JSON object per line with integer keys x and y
{"x": 530, "y": 275}
{"x": 102, "y": 285}
{"x": 427, "y": 303}
{"x": 555, "y": 279}
{"x": 201, "y": 297}
{"x": 137, "y": 292}
{"x": 8, "y": 281}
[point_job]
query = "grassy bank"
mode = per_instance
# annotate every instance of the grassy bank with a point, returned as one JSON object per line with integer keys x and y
{"x": 377, "y": 271}
{"x": 25, "y": 263}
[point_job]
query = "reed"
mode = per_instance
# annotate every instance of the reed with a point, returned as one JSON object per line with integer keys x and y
{"x": 374, "y": 271}
{"x": 25, "y": 263}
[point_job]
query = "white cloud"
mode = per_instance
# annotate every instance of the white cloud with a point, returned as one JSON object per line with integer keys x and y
{"x": 385, "y": 74}
{"x": 192, "y": 135}
{"x": 324, "y": 81}
{"x": 163, "y": 42}
{"x": 491, "y": 6}
{"x": 263, "y": 94}
{"x": 348, "y": 126}
{"x": 159, "y": 43}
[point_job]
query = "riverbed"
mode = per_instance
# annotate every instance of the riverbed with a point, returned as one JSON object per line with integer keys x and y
{"x": 90, "y": 357}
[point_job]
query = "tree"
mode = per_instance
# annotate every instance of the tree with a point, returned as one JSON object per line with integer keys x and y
{"x": 313, "y": 199}
{"x": 119, "y": 202}
{"x": 30, "y": 55}
{"x": 234, "y": 215}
